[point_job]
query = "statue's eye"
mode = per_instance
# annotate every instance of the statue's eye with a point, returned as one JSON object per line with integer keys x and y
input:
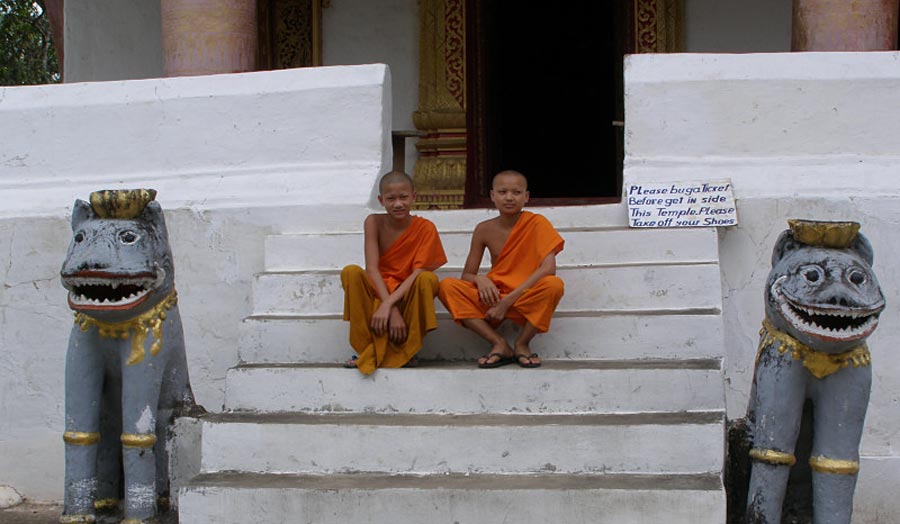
{"x": 812, "y": 274}
{"x": 856, "y": 276}
{"x": 128, "y": 237}
{"x": 79, "y": 236}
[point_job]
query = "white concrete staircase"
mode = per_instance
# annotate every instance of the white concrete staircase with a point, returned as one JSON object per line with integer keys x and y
{"x": 624, "y": 422}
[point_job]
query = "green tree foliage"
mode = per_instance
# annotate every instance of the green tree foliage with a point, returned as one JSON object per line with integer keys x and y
{"x": 26, "y": 50}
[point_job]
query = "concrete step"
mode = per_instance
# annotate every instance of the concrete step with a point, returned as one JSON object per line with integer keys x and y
{"x": 686, "y": 288}
{"x": 612, "y": 336}
{"x": 662, "y": 443}
{"x": 577, "y": 387}
{"x": 600, "y": 247}
{"x": 238, "y": 498}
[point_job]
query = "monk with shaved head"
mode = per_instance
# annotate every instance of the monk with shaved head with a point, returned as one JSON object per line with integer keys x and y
{"x": 522, "y": 284}
{"x": 390, "y": 303}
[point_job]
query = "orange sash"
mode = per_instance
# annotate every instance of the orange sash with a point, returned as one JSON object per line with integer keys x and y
{"x": 530, "y": 241}
{"x": 417, "y": 247}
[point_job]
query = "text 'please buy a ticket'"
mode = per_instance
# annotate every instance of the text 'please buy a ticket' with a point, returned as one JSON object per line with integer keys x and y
{"x": 681, "y": 204}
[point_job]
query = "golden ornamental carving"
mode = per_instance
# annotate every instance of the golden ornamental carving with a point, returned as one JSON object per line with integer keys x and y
{"x": 455, "y": 50}
{"x": 440, "y": 170}
{"x": 819, "y": 363}
{"x": 121, "y": 203}
{"x": 837, "y": 235}
{"x": 290, "y": 33}
{"x": 658, "y": 26}
{"x": 136, "y": 328}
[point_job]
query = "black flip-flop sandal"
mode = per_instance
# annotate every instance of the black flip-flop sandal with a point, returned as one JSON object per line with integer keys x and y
{"x": 501, "y": 361}
{"x": 350, "y": 363}
{"x": 529, "y": 363}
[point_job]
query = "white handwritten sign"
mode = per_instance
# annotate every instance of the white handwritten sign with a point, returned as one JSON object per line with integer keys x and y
{"x": 681, "y": 204}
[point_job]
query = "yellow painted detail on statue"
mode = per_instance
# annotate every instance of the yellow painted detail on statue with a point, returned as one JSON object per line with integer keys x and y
{"x": 136, "y": 440}
{"x": 836, "y": 466}
{"x": 819, "y": 363}
{"x": 779, "y": 458}
{"x": 136, "y": 328}
{"x": 106, "y": 504}
{"x": 837, "y": 235}
{"x": 121, "y": 203}
{"x": 77, "y": 519}
{"x": 81, "y": 438}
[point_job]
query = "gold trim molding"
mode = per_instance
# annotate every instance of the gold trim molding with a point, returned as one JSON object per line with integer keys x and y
{"x": 77, "y": 519}
{"x": 138, "y": 440}
{"x": 81, "y": 438}
{"x": 838, "y": 467}
{"x": 106, "y": 504}
{"x": 778, "y": 458}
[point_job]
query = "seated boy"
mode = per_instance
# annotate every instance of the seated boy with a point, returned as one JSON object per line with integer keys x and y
{"x": 522, "y": 284}
{"x": 390, "y": 304}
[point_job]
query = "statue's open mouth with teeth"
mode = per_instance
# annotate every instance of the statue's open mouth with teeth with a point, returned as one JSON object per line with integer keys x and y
{"x": 843, "y": 317}
{"x": 119, "y": 263}
{"x": 825, "y": 297}
{"x": 100, "y": 290}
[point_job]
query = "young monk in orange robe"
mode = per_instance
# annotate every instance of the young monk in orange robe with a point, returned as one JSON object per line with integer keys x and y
{"x": 390, "y": 304}
{"x": 522, "y": 284}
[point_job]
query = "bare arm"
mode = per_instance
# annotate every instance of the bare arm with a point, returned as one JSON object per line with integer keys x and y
{"x": 397, "y": 331}
{"x": 487, "y": 290}
{"x": 546, "y": 268}
{"x": 373, "y": 255}
{"x": 381, "y": 318}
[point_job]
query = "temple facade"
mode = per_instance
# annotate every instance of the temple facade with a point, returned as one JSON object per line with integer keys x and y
{"x": 265, "y": 124}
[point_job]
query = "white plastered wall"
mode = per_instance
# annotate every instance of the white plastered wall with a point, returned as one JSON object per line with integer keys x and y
{"x": 234, "y": 157}
{"x": 800, "y": 135}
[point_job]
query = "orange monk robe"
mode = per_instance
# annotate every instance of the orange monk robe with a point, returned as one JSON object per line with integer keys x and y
{"x": 419, "y": 246}
{"x": 529, "y": 243}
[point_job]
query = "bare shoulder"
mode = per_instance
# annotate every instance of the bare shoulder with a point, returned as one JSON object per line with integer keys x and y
{"x": 487, "y": 227}
{"x": 375, "y": 220}
{"x": 373, "y": 224}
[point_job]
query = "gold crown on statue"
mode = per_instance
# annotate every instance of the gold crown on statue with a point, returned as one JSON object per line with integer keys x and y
{"x": 820, "y": 233}
{"x": 121, "y": 203}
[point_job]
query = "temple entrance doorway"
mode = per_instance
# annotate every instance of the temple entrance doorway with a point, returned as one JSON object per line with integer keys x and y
{"x": 545, "y": 98}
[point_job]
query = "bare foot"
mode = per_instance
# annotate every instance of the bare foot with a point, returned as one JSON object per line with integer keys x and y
{"x": 525, "y": 358}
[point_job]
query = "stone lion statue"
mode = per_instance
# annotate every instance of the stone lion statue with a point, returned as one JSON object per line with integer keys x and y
{"x": 126, "y": 372}
{"x": 822, "y": 303}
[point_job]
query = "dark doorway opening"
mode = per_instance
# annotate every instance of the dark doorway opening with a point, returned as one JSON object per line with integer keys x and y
{"x": 545, "y": 98}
